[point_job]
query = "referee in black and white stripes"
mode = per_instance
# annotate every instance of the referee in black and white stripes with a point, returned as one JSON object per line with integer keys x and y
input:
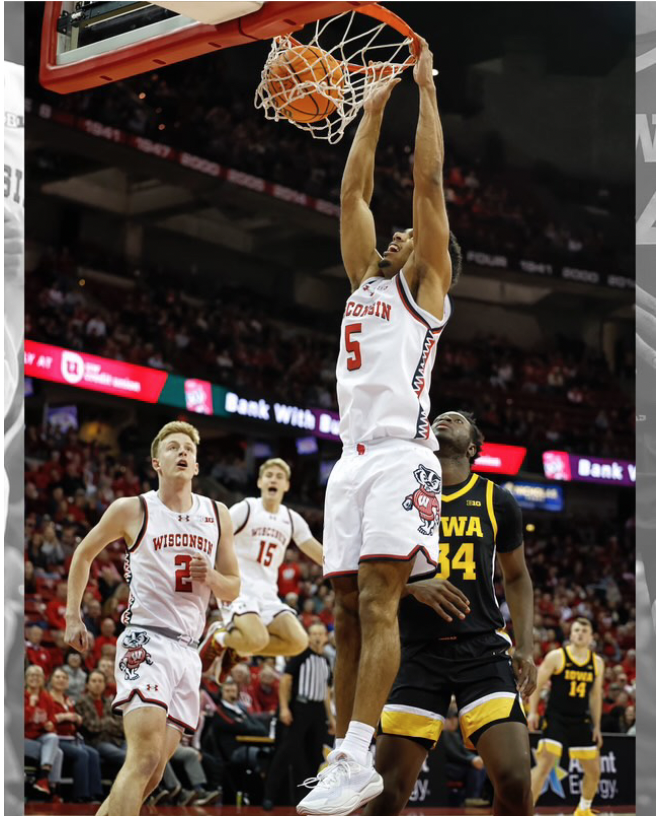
{"x": 305, "y": 712}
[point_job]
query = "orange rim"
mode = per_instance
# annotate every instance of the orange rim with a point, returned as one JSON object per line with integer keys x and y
{"x": 391, "y": 19}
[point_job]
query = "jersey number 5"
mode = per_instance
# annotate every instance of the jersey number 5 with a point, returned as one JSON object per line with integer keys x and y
{"x": 183, "y": 577}
{"x": 352, "y": 346}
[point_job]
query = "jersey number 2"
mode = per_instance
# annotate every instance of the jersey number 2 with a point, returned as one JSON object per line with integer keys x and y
{"x": 183, "y": 577}
{"x": 352, "y": 346}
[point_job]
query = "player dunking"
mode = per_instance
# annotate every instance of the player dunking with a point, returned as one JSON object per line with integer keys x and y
{"x": 382, "y": 500}
{"x": 258, "y": 622}
{"x": 573, "y": 714}
{"x": 180, "y": 549}
{"x": 468, "y": 658}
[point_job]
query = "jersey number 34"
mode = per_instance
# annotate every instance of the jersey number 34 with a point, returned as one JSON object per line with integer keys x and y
{"x": 462, "y": 560}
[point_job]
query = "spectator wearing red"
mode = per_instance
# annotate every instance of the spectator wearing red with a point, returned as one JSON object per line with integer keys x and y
{"x": 39, "y": 719}
{"x": 290, "y": 573}
{"x": 629, "y": 665}
{"x": 56, "y": 608}
{"x": 242, "y": 677}
{"x": 309, "y": 615}
{"x": 107, "y": 635}
{"x": 265, "y": 691}
{"x": 37, "y": 654}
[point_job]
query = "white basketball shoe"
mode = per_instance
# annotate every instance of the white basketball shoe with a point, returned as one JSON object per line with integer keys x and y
{"x": 340, "y": 788}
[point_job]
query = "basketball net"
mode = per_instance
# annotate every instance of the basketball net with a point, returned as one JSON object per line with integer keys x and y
{"x": 367, "y": 59}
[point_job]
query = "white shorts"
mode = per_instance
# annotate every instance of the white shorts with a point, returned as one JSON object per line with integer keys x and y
{"x": 154, "y": 670}
{"x": 383, "y": 501}
{"x": 261, "y": 601}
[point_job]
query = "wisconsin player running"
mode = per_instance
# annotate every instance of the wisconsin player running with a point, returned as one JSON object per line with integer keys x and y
{"x": 573, "y": 713}
{"x": 258, "y": 622}
{"x": 180, "y": 549}
{"x": 469, "y": 658}
{"x": 382, "y": 501}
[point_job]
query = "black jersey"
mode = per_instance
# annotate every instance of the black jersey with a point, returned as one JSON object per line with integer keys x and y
{"x": 570, "y": 687}
{"x": 477, "y": 518}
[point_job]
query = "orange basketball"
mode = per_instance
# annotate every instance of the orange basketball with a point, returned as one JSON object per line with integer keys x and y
{"x": 299, "y": 65}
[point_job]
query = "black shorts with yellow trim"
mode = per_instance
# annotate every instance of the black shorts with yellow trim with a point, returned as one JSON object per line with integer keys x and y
{"x": 476, "y": 669}
{"x": 576, "y": 734}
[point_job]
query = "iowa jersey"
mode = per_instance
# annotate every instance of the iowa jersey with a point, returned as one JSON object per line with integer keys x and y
{"x": 478, "y": 519}
{"x": 570, "y": 687}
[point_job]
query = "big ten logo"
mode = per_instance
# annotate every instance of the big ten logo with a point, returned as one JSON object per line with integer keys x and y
{"x": 422, "y": 786}
{"x": 608, "y": 783}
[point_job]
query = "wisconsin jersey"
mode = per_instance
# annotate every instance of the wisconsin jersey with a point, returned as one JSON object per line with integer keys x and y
{"x": 571, "y": 686}
{"x": 261, "y": 539}
{"x": 162, "y": 592}
{"x": 387, "y": 351}
{"x": 478, "y": 519}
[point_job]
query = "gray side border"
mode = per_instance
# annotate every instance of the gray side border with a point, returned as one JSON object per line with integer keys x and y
{"x": 645, "y": 212}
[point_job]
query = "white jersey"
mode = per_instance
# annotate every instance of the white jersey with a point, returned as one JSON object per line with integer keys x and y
{"x": 261, "y": 540}
{"x": 158, "y": 565}
{"x": 387, "y": 351}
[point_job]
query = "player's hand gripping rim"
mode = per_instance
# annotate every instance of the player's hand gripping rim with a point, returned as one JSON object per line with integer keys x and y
{"x": 444, "y": 598}
{"x": 525, "y": 672}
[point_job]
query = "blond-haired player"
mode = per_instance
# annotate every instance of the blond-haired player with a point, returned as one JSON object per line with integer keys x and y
{"x": 180, "y": 549}
{"x": 573, "y": 713}
{"x": 258, "y": 622}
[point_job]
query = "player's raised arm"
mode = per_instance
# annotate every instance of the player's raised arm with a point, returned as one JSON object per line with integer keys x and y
{"x": 122, "y": 519}
{"x": 433, "y": 266}
{"x": 358, "y": 239}
{"x": 551, "y": 664}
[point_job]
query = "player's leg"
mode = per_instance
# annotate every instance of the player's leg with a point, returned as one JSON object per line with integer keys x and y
{"x": 546, "y": 757}
{"x": 505, "y": 750}
{"x": 172, "y": 739}
{"x": 287, "y": 636}
{"x": 380, "y": 588}
{"x": 399, "y": 761}
{"x": 247, "y": 634}
{"x": 347, "y": 633}
{"x": 146, "y": 736}
{"x": 591, "y": 776}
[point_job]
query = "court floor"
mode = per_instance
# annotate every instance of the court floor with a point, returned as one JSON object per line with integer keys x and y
{"x": 36, "y": 809}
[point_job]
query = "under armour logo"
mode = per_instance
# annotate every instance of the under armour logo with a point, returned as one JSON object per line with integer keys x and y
{"x": 181, "y": 518}
{"x": 149, "y": 687}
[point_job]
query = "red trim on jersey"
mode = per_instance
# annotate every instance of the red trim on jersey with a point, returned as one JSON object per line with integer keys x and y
{"x": 142, "y": 531}
{"x": 338, "y": 574}
{"x": 117, "y": 703}
{"x": 188, "y": 728}
{"x": 219, "y": 524}
{"x": 409, "y": 307}
{"x": 388, "y": 557}
{"x": 244, "y": 524}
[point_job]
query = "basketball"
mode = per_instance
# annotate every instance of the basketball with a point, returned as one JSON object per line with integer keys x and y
{"x": 296, "y": 67}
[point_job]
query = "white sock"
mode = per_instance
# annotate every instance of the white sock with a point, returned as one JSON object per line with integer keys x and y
{"x": 338, "y": 742}
{"x": 584, "y": 804}
{"x": 357, "y": 741}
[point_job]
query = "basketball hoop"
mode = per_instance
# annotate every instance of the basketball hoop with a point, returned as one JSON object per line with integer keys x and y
{"x": 367, "y": 56}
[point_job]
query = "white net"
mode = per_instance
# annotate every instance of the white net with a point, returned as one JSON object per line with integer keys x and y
{"x": 320, "y": 85}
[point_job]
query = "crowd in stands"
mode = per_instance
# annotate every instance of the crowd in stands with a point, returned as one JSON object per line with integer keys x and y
{"x": 562, "y": 395}
{"x": 203, "y": 108}
{"x": 69, "y": 484}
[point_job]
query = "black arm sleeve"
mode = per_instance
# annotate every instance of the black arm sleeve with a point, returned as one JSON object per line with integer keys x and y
{"x": 509, "y": 520}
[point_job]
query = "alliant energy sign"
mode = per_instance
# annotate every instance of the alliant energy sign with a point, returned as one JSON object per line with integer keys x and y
{"x": 567, "y": 467}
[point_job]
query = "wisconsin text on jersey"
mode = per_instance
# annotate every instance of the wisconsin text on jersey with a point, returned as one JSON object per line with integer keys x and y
{"x": 183, "y": 540}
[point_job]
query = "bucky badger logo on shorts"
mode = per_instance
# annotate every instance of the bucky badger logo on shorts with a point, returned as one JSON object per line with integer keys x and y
{"x": 426, "y": 499}
{"x": 136, "y": 654}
